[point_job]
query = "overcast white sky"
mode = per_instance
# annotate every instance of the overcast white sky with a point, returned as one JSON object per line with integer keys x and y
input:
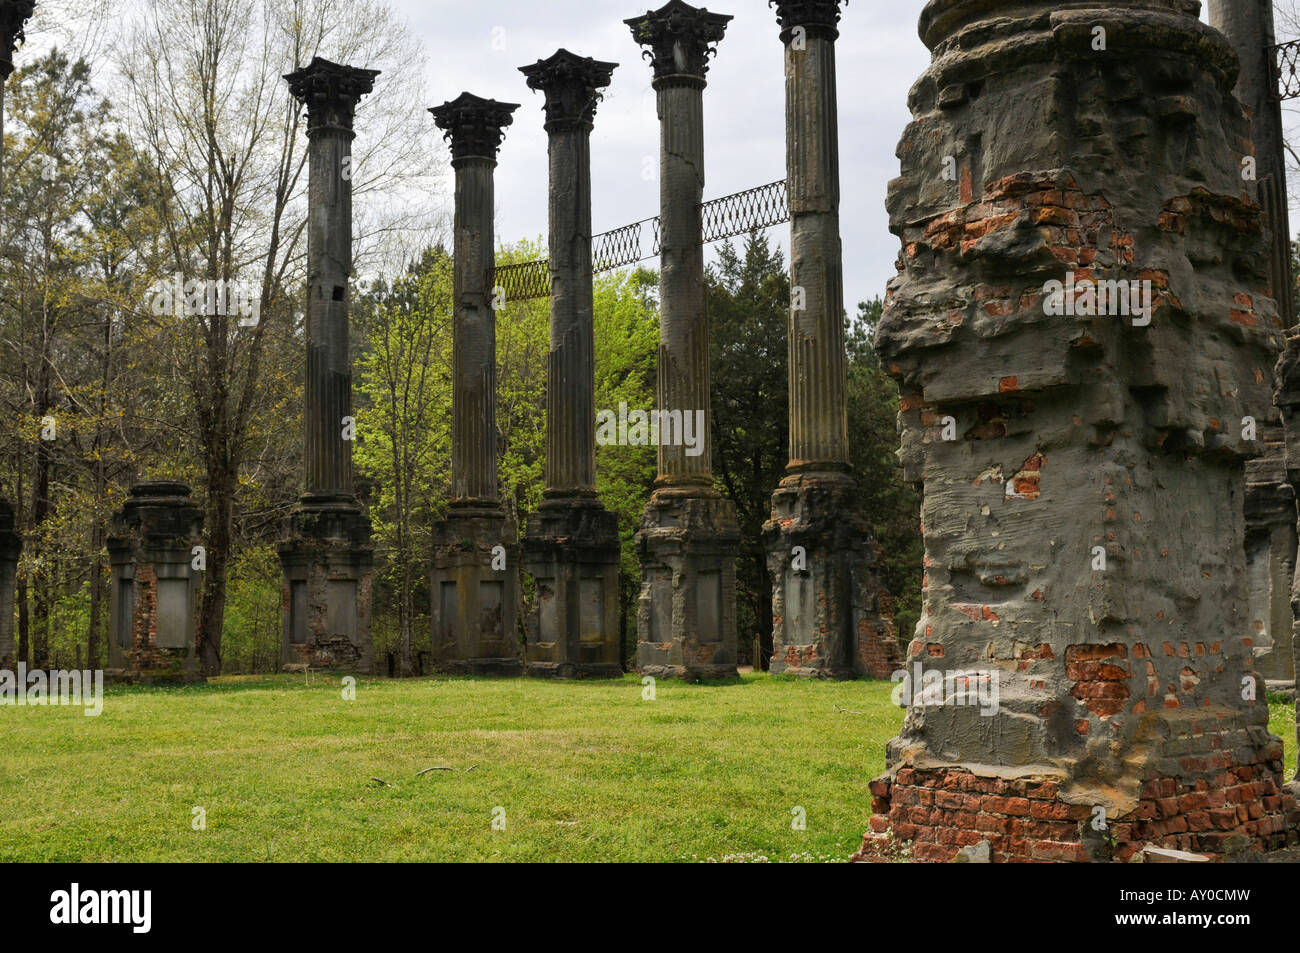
{"x": 879, "y": 55}
{"x": 479, "y": 46}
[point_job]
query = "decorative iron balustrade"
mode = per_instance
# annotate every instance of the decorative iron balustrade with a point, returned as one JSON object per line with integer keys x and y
{"x": 742, "y": 212}
{"x": 1286, "y": 64}
{"x": 726, "y": 217}
{"x": 524, "y": 280}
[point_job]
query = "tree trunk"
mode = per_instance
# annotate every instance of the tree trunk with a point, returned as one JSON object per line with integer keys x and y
{"x": 212, "y": 607}
{"x": 41, "y": 509}
{"x": 96, "y": 595}
{"x": 24, "y": 622}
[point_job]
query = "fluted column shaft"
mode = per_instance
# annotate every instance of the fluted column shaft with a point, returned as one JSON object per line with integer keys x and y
{"x": 1248, "y": 24}
{"x": 679, "y": 40}
{"x": 570, "y": 380}
{"x": 329, "y": 266}
{"x": 571, "y": 85}
{"x": 818, "y": 422}
{"x": 474, "y": 127}
{"x": 683, "y": 373}
{"x": 331, "y": 92}
{"x": 474, "y": 398}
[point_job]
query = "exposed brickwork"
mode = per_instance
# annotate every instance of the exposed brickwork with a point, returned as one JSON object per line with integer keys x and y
{"x": 877, "y": 647}
{"x": 144, "y": 623}
{"x": 1100, "y": 673}
{"x": 1024, "y": 819}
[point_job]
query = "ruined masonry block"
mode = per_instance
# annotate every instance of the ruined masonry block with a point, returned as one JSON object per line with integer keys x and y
{"x": 475, "y": 605}
{"x": 1084, "y": 533}
{"x": 154, "y": 604}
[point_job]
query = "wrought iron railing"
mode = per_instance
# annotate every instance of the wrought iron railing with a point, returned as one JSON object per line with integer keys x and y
{"x": 726, "y": 217}
{"x": 1286, "y": 69}
{"x": 742, "y": 212}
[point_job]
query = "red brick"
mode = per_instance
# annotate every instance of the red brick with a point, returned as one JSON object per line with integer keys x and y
{"x": 1017, "y": 807}
{"x": 1056, "y": 851}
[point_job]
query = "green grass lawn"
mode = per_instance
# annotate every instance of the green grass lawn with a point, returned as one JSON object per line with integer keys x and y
{"x": 585, "y": 771}
{"x": 1281, "y": 721}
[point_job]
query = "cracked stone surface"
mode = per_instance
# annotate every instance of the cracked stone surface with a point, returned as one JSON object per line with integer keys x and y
{"x": 1084, "y": 529}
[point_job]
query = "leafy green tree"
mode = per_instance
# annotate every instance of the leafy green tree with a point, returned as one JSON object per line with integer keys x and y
{"x": 626, "y": 321}
{"x": 404, "y": 420}
{"x": 749, "y": 299}
{"x": 627, "y": 346}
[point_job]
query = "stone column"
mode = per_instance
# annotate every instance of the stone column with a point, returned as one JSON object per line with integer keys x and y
{"x": 475, "y": 589}
{"x": 326, "y": 552}
{"x": 1287, "y": 398}
{"x": 154, "y": 604}
{"x": 1078, "y": 328}
{"x": 1271, "y": 544}
{"x": 1270, "y": 497}
{"x": 686, "y": 613}
{"x": 571, "y": 546}
{"x": 1271, "y": 517}
{"x": 13, "y": 14}
{"x": 1248, "y": 25}
{"x": 831, "y": 615}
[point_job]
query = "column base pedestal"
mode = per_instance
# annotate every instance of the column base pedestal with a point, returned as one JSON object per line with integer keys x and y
{"x": 474, "y": 606}
{"x": 154, "y": 598}
{"x": 573, "y": 670}
{"x": 328, "y": 565}
{"x": 571, "y": 549}
{"x": 497, "y": 667}
{"x": 686, "y": 612}
{"x": 831, "y": 614}
{"x": 1206, "y": 781}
